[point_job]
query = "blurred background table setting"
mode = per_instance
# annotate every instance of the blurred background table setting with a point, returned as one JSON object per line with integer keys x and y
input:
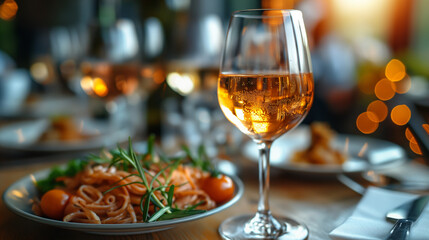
{"x": 78, "y": 77}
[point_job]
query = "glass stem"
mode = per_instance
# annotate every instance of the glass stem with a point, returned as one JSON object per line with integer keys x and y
{"x": 263, "y": 224}
{"x": 264, "y": 177}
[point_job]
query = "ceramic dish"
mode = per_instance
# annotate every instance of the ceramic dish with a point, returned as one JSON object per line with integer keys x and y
{"x": 19, "y": 196}
{"x": 364, "y": 153}
{"x": 44, "y": 106}
{"x": 24, "y": 136}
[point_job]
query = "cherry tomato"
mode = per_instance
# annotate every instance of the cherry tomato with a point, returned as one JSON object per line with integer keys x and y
{"x": 70, "y": 207}
{"x": 220, "y": 188}
{"x": 53, "y": 203}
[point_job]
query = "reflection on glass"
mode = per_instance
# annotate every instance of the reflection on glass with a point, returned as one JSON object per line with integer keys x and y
{"x": 265, "y": 89}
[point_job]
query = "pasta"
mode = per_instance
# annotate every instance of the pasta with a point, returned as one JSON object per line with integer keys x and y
{"x": 105, "y": 194}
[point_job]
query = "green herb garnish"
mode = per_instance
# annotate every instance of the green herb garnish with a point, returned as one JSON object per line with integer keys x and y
{"x": 201, "y": 160}
{"x": 72, "y": 168}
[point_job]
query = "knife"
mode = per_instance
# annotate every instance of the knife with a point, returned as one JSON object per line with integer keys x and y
{"x": 405, "y": 215}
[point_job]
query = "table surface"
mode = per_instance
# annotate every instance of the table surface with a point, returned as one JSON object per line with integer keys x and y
{"x": 320, "y": 203}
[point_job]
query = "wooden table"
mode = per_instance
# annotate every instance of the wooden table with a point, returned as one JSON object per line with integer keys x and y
{"x": 322, "y": 204}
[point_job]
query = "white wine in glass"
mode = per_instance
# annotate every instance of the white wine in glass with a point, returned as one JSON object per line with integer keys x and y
{"x": 265, "y": 88}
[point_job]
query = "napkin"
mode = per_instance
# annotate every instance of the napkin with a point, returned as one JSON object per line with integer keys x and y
{"x": 368, "y": 221}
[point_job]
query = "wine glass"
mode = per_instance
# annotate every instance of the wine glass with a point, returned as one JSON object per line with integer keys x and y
{"x": 265, "y": 89}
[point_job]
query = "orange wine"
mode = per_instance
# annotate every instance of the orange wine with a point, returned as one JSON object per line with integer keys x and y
{"x": 265, "y": 106}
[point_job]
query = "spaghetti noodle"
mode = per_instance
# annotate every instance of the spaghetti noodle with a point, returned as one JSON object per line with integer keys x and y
{"x": 110, "y": 193}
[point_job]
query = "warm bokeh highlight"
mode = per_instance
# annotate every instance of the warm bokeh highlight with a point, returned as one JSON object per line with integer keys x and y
{"x": 100, "y": 87}
{"x": 8, "y": 9}
{"x": 415, "y": 148}
{"x": 384, "y": 90}
{"x": 410, "y": 136}
{"x": 402, "y": 86}
{"x": 365, "y": 124}
{"x": 379, "y": 111}
{"x": 400, "y": 114}
{"x": 395, "y": 70}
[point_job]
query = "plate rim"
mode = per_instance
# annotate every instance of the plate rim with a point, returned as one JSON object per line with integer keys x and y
{"x": 110, "y": 229}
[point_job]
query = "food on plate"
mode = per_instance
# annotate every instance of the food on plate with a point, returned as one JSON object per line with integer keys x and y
{"x": 220, "y": 188}
{"x": 54, "y": 202}
{"x": 63, "y": 128}
{"x": 122, "y": 186}
{"x": 320, "y": 150}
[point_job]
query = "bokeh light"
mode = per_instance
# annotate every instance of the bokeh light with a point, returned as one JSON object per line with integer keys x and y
{"x": 379, "y": 111}
{"x": 402, "y": 86}
{"x": 415, "y": 148}
{"x": 86, "y": 84}
{"x": 146, "y": 72}
{"x": 384, "y": 89}
{"x": 159, "y": 76}
{"x": 410, "y": 136}
{"x": 395, "y": 70}
{"x": 100, "y": 87}
{"x": 365, "y": 124}
{"x": 182, "y": 83}
{"x": 400, "y": 114}
{"x": 39, "y": 71}
{"x": 8, "y": 9}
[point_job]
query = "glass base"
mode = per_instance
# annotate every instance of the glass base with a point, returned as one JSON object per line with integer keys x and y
{"x": 234, "y": 228}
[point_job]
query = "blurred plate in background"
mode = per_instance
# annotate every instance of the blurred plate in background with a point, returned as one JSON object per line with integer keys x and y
{"x": 46, "y": 106}
{"x": 29, "y": 136}
{"x": 379, "y": 154}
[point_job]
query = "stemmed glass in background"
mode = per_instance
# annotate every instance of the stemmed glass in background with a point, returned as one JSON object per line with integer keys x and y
{"x": 111, "y": 72}
{"x": 265, "y": 89}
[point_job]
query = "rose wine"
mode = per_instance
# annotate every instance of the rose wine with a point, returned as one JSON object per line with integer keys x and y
{"x": 265, "y": 106}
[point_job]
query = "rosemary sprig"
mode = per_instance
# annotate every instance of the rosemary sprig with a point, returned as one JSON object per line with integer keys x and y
{"x": 201, "y": 161}
{"x": 163, "y": 212}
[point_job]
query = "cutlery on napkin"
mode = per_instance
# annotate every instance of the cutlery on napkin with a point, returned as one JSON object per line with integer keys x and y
{"x": 404, "y": 216}
{"x": 368, "y": 221}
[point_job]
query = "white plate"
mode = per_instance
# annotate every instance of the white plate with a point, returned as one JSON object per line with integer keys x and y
{"x": 24, "y": 135}
{"x": 45, "y": 106}
{"x": 379, "y": 154}
{"x": 18, "y": 198}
